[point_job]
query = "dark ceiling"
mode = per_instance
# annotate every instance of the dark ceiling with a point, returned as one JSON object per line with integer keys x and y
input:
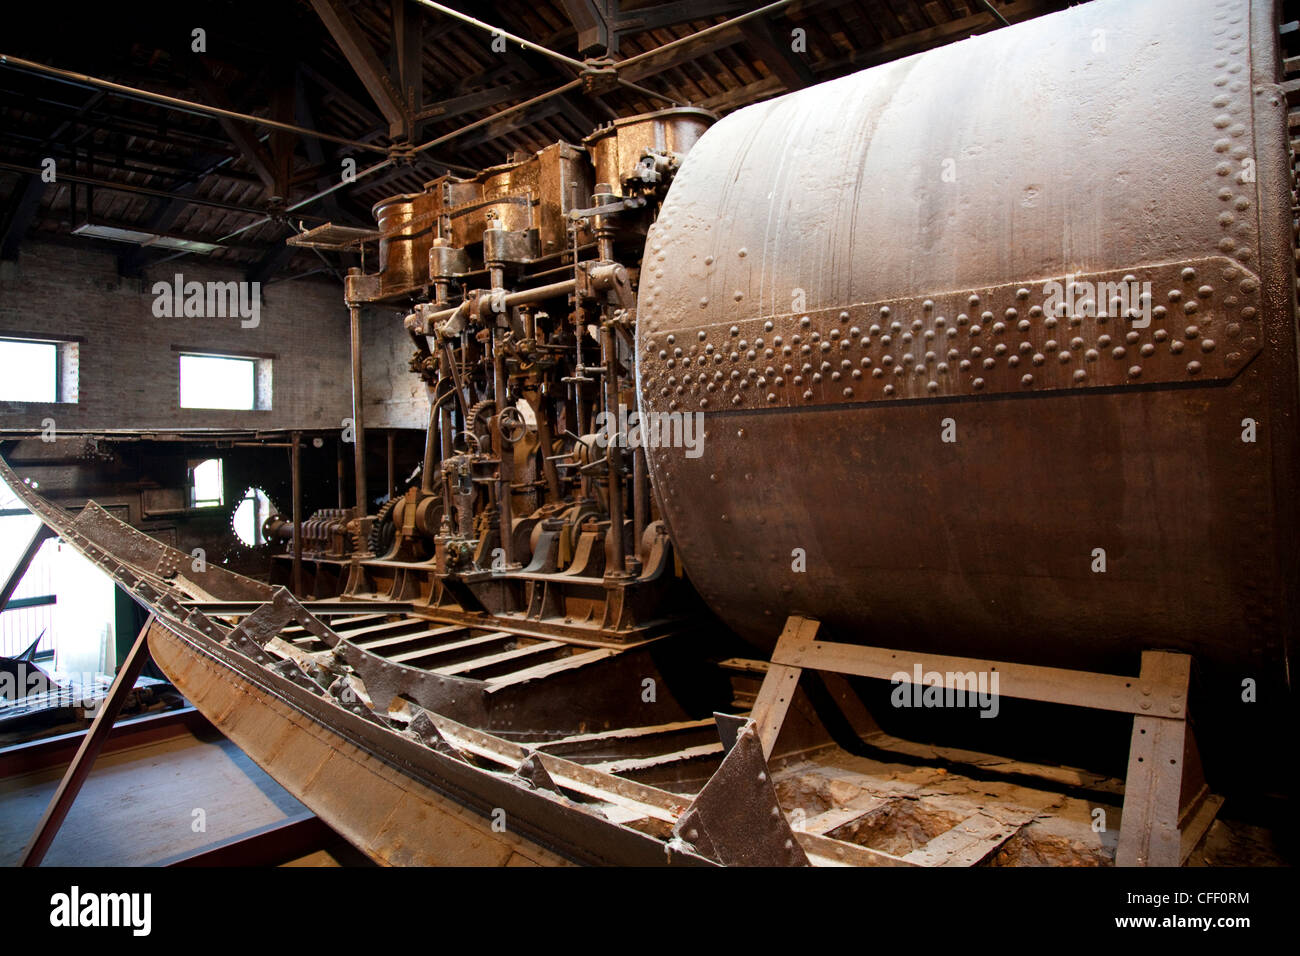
{"x": 127, "y": 162}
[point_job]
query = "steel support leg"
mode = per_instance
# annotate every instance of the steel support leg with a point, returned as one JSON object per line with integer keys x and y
{"x": 91, "y": 745}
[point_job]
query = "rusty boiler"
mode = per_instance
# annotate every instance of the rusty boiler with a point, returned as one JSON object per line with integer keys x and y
{"x": 1011, "y": 361}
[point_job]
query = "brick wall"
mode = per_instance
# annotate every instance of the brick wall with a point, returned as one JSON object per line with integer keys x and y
{"x": 395, "y": 396}
{"x": 128, "y": 375}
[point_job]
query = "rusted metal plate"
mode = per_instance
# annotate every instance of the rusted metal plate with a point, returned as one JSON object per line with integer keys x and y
{"x": 400, "y": 798}
{"x": 1174, "y": 323}
{"x": 736, "y": 819}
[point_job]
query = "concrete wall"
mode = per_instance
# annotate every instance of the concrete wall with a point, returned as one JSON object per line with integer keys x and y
{"x": 128, "y": 375}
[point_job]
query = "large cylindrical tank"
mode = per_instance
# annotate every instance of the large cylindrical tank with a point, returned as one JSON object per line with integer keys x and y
{"x": 617, "y": 150}
{"x": 407, "y": 225}
{"x": 940, "y": 412}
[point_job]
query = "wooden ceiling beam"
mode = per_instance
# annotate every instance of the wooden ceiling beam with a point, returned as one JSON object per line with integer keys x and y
{"x": 592, "y": 19}
{"x": 778, "y": 55}
{"x": 19, "y": 215}
{"x": 248, "y": 143}
{"x": 484, "y": 99}
{"x": 356, "y": 48}
{"x": 921, "y": 40}
{"x": 408, "y": 61}
{"x": 683, "y": 11}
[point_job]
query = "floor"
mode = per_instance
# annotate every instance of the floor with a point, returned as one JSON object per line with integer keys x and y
{"x": 150, "y": 805}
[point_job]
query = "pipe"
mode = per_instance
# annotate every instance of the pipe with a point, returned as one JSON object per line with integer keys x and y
{"x": 500, "y": 114}
{"x": 484, "y": 304}
{"x": 84, "y": 79}
{"x": 497, "y": 31}
{"x": 383, "y": 163}
{"x": 613, "y": 454}
{"x": 339, "y": 445}
{"x": 295, "y": 466}
{"x": 641, "y": 496}
{"x": 505, "y": 456}
{"x": 648, "y": 93}
{"x": 701, "y": 34}
{"x": 360, "y": 174}
{"x": 435, "y": 429}
{"x": 358, "y": 413}
{"x": 996, "y": 12}
{"x": 543, "y": 415}
{"x": 140, "y": 190}
{"x": 392, "y": 477}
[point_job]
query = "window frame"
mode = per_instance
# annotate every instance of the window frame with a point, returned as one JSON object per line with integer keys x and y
{"x": 207, "y": 504}
{"x": 263, "y": 388}
{"x": 66, "y": 365}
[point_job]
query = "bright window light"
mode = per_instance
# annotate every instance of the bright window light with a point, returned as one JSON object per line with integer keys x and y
{"x": 212, "y": 381}
{"x": 29, "y": 371}
{"x": 206, "y": 489}
{"x": 254, "y": 509}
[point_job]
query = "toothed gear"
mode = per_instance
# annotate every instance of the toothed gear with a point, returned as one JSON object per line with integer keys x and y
{"x": 383, "y": 531}
{"x": 480, "y": 422}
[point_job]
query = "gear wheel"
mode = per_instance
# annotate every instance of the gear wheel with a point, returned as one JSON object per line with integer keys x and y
{"x": 479, "y": 423}
{"x": 383, "y": 531}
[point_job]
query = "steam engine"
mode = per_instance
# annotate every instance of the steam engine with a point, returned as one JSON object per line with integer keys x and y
{"x": 1013, "y": 383}
{"x": 518, "y": 290}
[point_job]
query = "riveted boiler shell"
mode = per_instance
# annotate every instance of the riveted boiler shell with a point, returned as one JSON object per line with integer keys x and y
{"x": 854, "y": 272}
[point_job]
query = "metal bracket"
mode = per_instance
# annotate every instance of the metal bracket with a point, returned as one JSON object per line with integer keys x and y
{"x": 736, "y": 819}
{"x": 423, "y": 729}
{"x": 534, "y": 774}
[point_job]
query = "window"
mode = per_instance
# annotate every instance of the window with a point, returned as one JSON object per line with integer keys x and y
{"x": 225, "y": 381}
{"x": 63, "y": 604}
{"x": 253, "y": 510}
{"x": 29, "y": 616}
{"x": 206, "y": 487}
{"x": 33, "y": 370}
